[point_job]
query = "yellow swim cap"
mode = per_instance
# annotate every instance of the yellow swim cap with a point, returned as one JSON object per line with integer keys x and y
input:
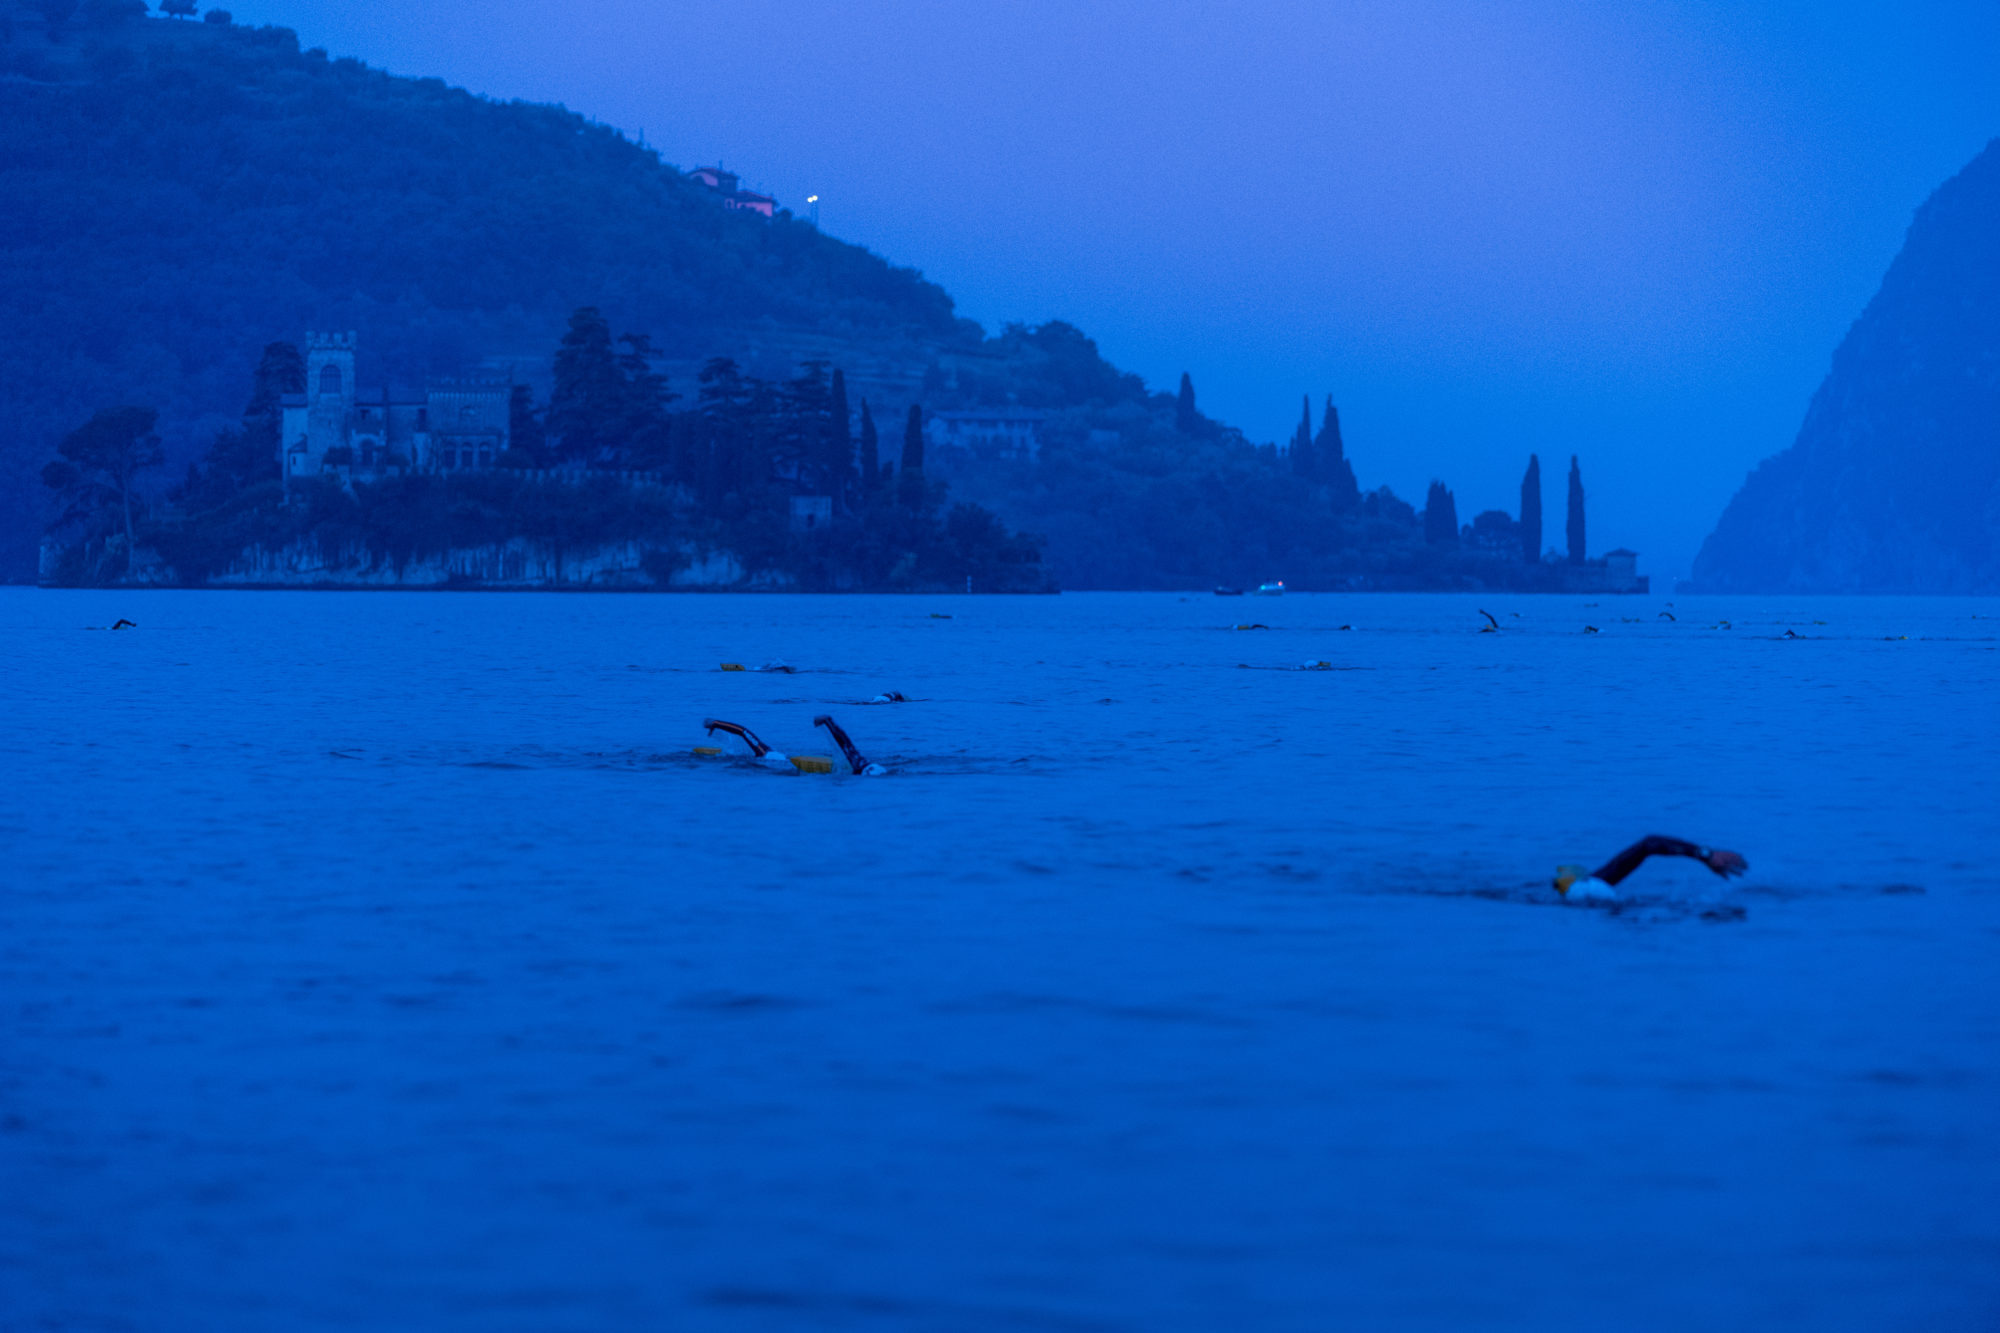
{"x": 1568, "y": 875}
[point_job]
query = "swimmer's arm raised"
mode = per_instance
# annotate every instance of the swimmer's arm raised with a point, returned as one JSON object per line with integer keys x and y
{"x": 1722, "y": 862}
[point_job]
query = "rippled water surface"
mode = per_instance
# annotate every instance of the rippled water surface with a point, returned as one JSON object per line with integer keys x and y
{"x": 386, "y": 961}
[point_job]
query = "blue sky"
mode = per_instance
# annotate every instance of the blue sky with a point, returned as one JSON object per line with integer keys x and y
{"x": 1629, "y": 232}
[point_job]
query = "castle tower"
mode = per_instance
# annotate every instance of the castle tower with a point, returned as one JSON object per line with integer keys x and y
{"x": 330, "y": 391}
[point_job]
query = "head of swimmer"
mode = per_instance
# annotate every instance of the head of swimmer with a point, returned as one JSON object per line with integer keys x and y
{"x": 1566, "y": 876}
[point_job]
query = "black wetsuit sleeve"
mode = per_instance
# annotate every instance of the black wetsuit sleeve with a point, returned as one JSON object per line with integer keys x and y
{"x": 1623, "y": 864}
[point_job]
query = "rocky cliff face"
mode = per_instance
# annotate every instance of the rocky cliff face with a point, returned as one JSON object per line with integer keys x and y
{"x": 1893, "y": 484}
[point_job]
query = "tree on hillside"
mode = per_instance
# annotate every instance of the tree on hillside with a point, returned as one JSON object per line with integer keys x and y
{"x": 642, "y": 426}
{"x": 912, "y": 482}
{"x": 839, "y": 441}
{"x": 1331, "y": 456}
{"x": 527, "y": 440}
{"x": 726, "y": 407}
{"x": 243, "y": 457}
{"x": 1304, "y": 464}
{"x": 589, "y": 390}
{"x": 807, "y": 412}
{"x": 608, "y": 407}
{"x": 1575, "y": 512}
{"x": 281, "y": 370}
{"x": 1531, "y": 511}
{"x": 99, "y": 463}
{"x": 1186, "y": 419}
{"x": 871, "y": 454}
{"x": 180, "y": 9}
{"x": 1440, "y": 516}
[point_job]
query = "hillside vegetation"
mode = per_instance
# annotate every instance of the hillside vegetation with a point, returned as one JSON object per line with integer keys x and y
{"x": 181, "y": 195}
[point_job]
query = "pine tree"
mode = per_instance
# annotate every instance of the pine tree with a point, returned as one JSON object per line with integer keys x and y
{"x": 1440, "y": 516}
{"x": 641, "y": 428}
{"x": 724, "y": 405}
{"x": 804, "y": 430}
{"x": 839, "y": 442}
{"x": 1575, "y": 512}
{"x": 1304, "y": 464}
{"x": 912, "y": 485}
{"x": 1186, "y": 419}
{"x": 589, "y": 397}
{"x": 100, "y": 462}
{"x": 1331, "y": 456}
{"x": 871, "y": 454}
{"x": 1531, "y": 511}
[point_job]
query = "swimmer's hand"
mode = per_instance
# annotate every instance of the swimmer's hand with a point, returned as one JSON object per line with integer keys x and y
{"x": 1725, "y": 863}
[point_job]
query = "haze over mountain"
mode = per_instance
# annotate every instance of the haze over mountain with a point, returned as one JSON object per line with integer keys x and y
{"x": 1894, "y": 482}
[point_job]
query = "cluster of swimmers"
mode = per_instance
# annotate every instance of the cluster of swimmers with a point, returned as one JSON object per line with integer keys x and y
{"x": 1572, "y": 883}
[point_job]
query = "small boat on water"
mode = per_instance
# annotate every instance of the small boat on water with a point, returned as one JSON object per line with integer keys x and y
{"x": 1271, "y": 589}
{"x": 1229, "y": 592}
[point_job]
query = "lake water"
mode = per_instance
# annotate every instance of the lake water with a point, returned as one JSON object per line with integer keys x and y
{"x": 385, "y": 961}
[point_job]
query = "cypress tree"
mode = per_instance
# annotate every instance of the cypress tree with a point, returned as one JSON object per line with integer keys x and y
{"x": 839, "y": 442}
{"x": 1575, "y": 512}
{"x": 1331, "y": 455}
{"x": 913, "y": 458}
{"x": 1440, "y": 516}
{"x": 871, "y": 454}
{"x": 1531, "y": 511}
{"x": 1303, "y": 462}
{"x": 1186, "y": 418}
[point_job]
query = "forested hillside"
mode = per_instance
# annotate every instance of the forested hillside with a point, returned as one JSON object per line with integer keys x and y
{"x": 181, "y": 195}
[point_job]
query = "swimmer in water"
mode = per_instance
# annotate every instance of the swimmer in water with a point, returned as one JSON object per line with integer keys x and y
{"x": 1573, "y": 883}
{"x": 862, "y": 768}
{"x": 759, "y": 751}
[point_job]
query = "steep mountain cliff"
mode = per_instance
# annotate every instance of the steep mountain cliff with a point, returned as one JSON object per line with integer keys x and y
{"x": 1893, "y": 484}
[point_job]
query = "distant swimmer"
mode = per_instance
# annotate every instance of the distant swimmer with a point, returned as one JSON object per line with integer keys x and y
{"x": 126, "y": 624}
{"x": 892, "y": 697}
{"x": 855, "y": 759}
{"x": 1492, "y": 625}
{"x": 1574, "y": 884}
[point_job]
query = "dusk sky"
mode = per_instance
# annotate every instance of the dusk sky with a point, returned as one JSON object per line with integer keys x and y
{"x": 1633, "y": 233}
